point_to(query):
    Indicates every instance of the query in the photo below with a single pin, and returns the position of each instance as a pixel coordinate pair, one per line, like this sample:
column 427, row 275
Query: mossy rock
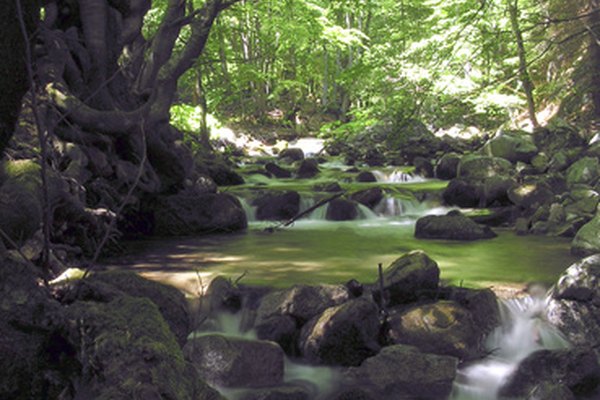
column 127, row 351
column 106, row 286
column 20, row 205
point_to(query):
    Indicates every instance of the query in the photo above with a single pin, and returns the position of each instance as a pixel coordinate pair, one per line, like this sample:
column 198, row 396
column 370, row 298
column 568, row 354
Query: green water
column 333, row 252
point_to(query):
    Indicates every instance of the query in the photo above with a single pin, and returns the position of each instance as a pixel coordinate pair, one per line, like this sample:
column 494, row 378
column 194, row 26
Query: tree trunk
column 513, row 9
column 593, row 25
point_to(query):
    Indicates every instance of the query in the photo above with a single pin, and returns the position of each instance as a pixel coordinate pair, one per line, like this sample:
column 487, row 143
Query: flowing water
column 522, row 332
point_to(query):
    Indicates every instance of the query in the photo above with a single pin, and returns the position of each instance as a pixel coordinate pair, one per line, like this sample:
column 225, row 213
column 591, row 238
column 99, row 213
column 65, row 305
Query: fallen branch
column 305, row 212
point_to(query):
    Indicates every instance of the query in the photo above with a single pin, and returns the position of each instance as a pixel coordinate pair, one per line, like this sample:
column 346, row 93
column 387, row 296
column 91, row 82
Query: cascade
column 522, row 331
column 248, row 209
column 396, row 176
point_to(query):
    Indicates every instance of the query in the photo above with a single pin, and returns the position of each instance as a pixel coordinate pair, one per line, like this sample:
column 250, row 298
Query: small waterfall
column 522, row 332
column 248, row 209
column 395, row 207
column 365, row 212
column 396, row 176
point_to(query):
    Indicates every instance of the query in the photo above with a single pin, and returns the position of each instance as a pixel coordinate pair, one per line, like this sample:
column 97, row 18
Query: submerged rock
column 232, row 362
column 452, row 226
column 402, row 372
column 342, row 335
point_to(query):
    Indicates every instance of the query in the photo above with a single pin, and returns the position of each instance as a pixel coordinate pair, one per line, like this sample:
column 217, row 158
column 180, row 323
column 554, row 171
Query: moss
column 129, row 352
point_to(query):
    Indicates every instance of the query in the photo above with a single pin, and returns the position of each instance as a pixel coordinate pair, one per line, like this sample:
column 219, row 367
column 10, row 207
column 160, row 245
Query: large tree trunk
column 14, row 81
column 110, row 91
column 593, row 25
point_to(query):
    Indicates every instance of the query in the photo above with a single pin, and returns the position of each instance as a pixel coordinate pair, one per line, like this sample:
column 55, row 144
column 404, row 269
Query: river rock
column 443, row 327
column 184, row 214
column 587, row 239
column 341, row 210
column 494, row 191
column 577, row 369
column 233, row 362
column 412, row 276
column 551, row 391
column 309, row 168
column 461, row 193
column 292, row 154
column 482, row 304
column 554, row 138
column 366, row 176
column 586, row 170
column 513, row 146
column 283, row 392
column 574, row 306
column 342, row 335
column 402, row 372
column 369, row 197
column 277, row 206
column 477, row 168
column 530, row 195
column 277, row 171
column 447, row 166
column 452, row 226
column 423, row 167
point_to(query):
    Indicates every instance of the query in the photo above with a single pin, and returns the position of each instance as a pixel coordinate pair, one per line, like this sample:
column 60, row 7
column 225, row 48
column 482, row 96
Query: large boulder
column 574, row 306
column 477, row 168
column 341, row 210
column 577, row 369
column 447, row 166
column 277, row 206
column 342, row 335
column 107, row 286
column 412, row 276
column 186, row 214
column 308, row 168
column 462, row 194
column 452, row 226
column 554, row 138
column 530, row 195
column 587, row 239
column 586, row 170
column 28, row 319
column 482, row 305
column 233, row 362
column 513, row 146
column 402, row 372
column 128, row 352
column 280, row 313
column 443, row 327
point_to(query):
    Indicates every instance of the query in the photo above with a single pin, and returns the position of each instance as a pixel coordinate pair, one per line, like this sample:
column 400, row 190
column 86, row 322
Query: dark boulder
column 277, row 206
column 309, row 168
column 292, row 154
column 233, row 362
column 447, row 166
column 423, row 167
column 577, row 369
column 461, row 193
column 342, row 335
column 452, row 226
column 366, row 176
column 477, row 168
column 530, row 195
column 369, row 197
column 341, row 210
column 402, row 372
column 410, row 277
column 277, row 171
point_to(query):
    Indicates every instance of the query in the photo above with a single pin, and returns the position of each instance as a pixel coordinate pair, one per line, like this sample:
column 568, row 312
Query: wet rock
column 221, row 295
column 577, row 369
column 277, row 171
column 482, row 304
column 184, row 214
column 551, row 391
column 170, row 302
column 587, row 239
column 366, row 176
column 221, row 173
column 530, row 195
column 410, row 277
column 342, row 335
column 443, row 328
column 461, row 193
column 574, row 306
column 423, row 167
column 341, row 210
column 233, row 362
column 402, row 372
column 494, row 191
column 309, row 168
column 513, row 146
column 477, row 168
column 447, row 166
column 452, row 226
column 292, row 154
column 586, row 170
column 277, row 206
column 369, row 197
column 130, row 352
column 284, row 392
